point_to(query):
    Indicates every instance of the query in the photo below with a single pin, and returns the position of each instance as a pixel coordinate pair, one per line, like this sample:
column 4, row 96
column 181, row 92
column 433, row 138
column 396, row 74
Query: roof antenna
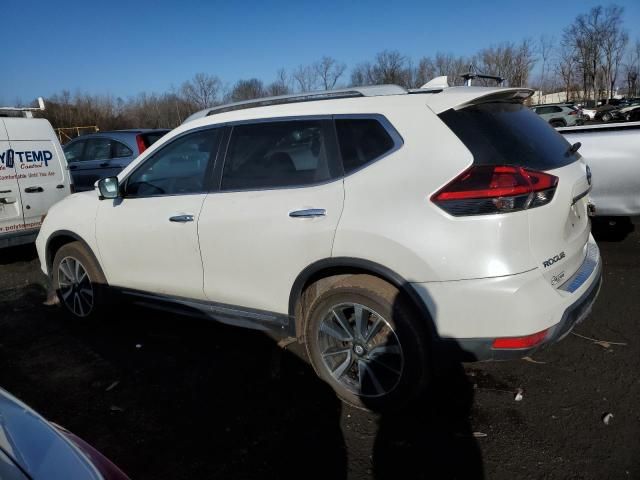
column 473, row 73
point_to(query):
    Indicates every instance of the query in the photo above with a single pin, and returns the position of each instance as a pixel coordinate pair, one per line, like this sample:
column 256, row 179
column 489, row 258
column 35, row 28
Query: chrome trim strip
column 582, row 195
column 308, row 213
column 584, row 272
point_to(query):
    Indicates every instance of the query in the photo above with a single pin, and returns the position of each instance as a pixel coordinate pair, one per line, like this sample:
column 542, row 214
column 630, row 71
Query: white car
column 373, row 224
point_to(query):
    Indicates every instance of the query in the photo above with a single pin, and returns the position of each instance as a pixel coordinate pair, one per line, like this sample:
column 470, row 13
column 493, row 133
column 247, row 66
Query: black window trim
column 213, row 180
column 333, row 157
column 209, row 177
column 398, row 142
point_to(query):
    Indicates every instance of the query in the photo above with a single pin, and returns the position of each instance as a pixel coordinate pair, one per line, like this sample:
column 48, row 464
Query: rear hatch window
column 502, row 133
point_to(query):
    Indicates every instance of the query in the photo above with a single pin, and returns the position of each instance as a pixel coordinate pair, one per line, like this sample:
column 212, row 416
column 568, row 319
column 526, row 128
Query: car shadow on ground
column 22, row 253
column 170, row 397
column 612, row 229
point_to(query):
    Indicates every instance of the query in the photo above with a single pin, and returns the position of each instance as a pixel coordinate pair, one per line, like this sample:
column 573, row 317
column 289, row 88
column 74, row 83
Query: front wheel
column 365, row 340
column 78, row 281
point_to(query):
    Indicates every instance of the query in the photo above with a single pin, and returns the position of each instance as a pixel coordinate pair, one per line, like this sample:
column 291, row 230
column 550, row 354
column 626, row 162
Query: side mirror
column 109, row 188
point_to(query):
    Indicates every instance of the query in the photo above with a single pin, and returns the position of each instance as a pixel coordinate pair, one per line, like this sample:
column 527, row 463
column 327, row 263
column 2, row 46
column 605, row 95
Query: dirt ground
column 169, row 397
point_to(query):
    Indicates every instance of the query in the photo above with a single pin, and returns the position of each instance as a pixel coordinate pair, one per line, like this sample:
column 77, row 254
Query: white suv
column 373, row 224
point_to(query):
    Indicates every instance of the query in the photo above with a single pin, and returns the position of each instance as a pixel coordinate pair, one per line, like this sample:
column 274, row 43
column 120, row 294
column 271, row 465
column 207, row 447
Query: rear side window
column 362, row 140
column 509, row 134
column 121, row 150
column 277, row 154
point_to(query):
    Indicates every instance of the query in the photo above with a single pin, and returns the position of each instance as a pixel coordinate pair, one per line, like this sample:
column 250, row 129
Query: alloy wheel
column 75, row 287
column 360, row 349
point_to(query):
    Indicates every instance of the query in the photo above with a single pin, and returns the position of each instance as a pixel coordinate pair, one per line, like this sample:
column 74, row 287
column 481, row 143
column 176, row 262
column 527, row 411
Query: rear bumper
column 481, row 349
column 469, row 315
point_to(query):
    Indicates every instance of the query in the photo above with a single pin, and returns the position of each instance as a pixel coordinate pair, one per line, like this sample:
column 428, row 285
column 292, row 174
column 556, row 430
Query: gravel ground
column 169, row 397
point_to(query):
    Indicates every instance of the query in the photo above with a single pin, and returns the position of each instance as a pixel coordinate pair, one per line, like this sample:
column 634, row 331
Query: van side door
column 11, row 220
column 40, row 165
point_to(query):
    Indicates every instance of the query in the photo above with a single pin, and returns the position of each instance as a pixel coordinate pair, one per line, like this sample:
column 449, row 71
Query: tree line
column 592, row 58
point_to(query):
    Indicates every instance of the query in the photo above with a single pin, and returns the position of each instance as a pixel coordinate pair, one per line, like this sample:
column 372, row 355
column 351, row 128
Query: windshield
column 503, row 133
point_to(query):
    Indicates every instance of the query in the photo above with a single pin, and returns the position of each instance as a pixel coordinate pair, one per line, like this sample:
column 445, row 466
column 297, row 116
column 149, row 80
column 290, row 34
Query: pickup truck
column 612, row 152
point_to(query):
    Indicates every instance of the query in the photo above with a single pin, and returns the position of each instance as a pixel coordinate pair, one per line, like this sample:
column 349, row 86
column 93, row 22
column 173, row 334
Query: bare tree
column 545, row 49
column 328, row 71
column 203, row 90
column 425, row 71
column 306, row 78
column 632, row 70
column 247, row 90
column 614, row 41
column 565, row 67
column 281, row 85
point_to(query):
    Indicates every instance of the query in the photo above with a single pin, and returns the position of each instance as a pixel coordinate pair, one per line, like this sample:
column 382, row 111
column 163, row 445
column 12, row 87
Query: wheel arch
column 61, row 238
column 338, row 266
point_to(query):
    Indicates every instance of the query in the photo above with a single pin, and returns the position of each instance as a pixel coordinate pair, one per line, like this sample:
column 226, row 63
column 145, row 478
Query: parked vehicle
column 626, row 113
column 611, row 151
column 589, row 113
column 33, row 449
column 560, row 115
column 605, row 113
column 372, row 224
column 100, row 155
column 33, row 175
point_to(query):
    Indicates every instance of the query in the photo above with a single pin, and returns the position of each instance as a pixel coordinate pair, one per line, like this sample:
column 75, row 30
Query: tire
column 78, row 281
column 556, row 123
column 381, row 365
column 606, row 117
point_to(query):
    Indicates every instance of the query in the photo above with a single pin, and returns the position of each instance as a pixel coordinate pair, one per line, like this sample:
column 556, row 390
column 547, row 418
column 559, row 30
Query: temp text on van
column 36, row 157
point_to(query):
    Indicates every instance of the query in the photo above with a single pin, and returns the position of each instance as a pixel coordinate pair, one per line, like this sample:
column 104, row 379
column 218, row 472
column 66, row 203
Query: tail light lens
column 527, row 341
column 489, row 189
column 573, row 112
column 142, row 146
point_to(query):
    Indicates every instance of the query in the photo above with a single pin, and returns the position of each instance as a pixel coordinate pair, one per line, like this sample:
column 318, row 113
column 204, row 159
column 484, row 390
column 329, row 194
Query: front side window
column 277, row 154
column 362, row 140
column 73, row 151
column 179, row 168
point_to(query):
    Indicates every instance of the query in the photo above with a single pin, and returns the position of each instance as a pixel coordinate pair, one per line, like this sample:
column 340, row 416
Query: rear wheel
column 557, row 123
column 607, row 117
column 365, row 340
column 78, row 281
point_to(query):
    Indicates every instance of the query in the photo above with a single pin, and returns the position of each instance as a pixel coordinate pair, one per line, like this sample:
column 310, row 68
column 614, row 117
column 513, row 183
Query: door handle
column 308, row 213
column 181, row 218
column 73, row 167
column 104, row 164
column 34, row 190
column 8, row 200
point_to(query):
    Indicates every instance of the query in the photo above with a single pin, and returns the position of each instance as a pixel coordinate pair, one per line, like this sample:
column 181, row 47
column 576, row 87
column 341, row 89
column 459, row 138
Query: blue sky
column 126, row 47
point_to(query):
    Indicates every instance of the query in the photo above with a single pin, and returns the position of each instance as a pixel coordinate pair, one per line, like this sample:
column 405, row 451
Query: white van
column 33, row 176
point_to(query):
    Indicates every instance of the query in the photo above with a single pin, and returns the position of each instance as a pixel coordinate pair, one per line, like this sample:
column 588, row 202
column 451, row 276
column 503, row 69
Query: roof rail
column 26, row 111
column 368, row 91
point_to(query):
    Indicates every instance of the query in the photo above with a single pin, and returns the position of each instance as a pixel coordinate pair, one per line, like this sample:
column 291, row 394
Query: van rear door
column 10, row 205
column 40, row 165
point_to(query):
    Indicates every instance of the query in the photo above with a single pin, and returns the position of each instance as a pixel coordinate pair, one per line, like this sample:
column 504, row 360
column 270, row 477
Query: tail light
column 573, row 112
column 527, row 341
column 142, row 146
column 488, row 189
